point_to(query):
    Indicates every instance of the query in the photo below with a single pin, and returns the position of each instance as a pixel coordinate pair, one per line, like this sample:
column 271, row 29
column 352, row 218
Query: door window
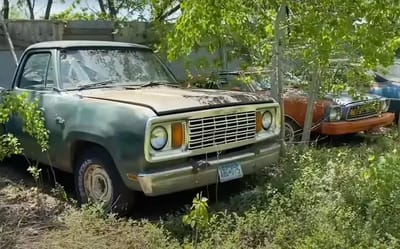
column 38, row 72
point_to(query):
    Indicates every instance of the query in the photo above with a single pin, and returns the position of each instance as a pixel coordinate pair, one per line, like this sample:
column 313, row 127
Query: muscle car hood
column 166, row 100
column 342, row 99
column 345, row 98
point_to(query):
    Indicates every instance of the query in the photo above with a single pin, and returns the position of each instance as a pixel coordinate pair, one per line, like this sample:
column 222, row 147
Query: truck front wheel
column 97, row 181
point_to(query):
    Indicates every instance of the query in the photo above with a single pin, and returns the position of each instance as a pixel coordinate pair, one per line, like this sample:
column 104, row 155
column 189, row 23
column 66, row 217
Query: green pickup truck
column 119, row 122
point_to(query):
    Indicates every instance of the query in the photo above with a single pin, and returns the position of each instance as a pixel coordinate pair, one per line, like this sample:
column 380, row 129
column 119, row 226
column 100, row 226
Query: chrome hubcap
column 98, row 185
column 289, row 133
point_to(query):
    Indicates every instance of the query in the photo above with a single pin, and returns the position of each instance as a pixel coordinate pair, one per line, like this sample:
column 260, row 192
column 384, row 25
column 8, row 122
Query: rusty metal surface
column 346, row 127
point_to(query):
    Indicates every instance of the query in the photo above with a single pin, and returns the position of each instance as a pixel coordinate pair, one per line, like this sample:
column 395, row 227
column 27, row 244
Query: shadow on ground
column 152, row 208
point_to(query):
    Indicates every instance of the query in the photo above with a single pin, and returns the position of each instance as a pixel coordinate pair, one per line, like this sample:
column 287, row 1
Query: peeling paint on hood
column 166, row 100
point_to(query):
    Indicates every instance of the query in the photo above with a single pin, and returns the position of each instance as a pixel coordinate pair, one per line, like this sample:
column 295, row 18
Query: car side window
column 38, row 72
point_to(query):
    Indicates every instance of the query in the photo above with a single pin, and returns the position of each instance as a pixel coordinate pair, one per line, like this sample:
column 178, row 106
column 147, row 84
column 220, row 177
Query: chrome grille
column 362, row 111
column 223, row 129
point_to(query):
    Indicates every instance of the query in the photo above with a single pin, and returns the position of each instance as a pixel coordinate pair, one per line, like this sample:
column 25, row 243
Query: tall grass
column 343, row 197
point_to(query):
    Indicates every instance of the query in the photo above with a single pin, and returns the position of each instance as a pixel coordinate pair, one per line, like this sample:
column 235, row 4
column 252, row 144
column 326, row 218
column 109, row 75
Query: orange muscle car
column 332, row 115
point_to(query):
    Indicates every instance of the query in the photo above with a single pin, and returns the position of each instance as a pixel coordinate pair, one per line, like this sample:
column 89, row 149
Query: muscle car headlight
column 158, row 137
column 385, row 105
column 267, row 120
column 335, row 113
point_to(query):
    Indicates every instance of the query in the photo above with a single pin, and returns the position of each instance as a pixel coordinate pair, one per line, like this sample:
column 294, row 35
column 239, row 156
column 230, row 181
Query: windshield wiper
column 158, row 83
column 95, row 84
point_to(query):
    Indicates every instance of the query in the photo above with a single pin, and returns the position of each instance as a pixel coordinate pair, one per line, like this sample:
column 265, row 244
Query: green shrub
column 33, row 123
column 345, row 197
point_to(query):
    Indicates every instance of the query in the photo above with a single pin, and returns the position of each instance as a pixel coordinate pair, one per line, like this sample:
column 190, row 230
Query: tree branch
column 30, row 7
column 163, row 16
column 48, row 9
column 111, row 8
column 102, row 7
column 6, row 9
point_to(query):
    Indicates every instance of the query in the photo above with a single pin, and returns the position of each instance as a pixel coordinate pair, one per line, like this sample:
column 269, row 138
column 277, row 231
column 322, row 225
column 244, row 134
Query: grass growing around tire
column 342, row 197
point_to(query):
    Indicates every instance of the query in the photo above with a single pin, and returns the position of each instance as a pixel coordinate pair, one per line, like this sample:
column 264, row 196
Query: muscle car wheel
column 292, row 131
column 97, row 181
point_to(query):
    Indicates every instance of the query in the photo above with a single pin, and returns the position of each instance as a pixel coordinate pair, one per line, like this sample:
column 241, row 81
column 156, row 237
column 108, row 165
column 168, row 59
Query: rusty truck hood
column 167, row 100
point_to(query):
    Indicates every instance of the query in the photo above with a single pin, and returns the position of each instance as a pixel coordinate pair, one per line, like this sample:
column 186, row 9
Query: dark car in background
column 387, row 84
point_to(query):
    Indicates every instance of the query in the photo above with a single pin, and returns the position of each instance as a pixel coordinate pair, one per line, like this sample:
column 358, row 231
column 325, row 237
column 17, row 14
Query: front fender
column 118, row 128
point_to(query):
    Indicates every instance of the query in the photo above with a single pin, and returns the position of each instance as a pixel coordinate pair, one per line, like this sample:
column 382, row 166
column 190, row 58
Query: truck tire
column 98, row 181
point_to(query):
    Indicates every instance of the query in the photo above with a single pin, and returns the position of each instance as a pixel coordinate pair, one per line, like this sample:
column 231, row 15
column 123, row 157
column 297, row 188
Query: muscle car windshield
column 80, row 67
column 252, row 82
column 392, row 72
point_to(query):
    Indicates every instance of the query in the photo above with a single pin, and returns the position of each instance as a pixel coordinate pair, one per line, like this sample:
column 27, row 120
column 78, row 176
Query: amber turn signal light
column 178, row 135
column 258, row 121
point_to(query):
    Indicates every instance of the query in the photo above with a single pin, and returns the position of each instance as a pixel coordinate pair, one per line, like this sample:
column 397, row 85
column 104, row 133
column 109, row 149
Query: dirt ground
column 23, row 218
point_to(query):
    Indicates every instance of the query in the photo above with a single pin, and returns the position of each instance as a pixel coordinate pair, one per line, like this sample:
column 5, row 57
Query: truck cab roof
column 83, row 43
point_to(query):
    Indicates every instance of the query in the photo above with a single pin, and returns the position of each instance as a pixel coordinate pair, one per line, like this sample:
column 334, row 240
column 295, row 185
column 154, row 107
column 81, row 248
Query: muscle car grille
column 362, row 111
column 223, row 129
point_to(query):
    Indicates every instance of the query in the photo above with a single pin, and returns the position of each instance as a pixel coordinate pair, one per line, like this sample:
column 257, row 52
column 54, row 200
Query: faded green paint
column 117, row 118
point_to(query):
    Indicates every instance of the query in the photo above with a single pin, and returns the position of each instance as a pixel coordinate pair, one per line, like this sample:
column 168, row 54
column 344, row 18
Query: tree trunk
column 6, row 9
column 102, row 7
column 48, row 9
column 30, row 8
column 10, row 44
column 313, row 92
column 277, row 85
column 112, row 10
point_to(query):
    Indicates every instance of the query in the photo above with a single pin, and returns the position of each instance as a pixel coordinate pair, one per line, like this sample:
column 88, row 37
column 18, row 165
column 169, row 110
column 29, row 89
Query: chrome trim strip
column 189, row 168
column 233, row 158
column 264, row 150
column 166, row 172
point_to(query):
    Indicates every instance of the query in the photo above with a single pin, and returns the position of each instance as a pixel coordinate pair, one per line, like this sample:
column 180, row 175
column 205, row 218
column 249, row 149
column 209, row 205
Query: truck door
column 36, row 77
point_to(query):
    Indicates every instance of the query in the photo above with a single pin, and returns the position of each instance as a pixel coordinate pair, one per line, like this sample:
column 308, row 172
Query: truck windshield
column 121, row 66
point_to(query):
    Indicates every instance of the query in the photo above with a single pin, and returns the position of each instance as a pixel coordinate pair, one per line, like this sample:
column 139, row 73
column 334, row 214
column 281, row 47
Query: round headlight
column 335, row 114
column 267, row 120
column 158, row 138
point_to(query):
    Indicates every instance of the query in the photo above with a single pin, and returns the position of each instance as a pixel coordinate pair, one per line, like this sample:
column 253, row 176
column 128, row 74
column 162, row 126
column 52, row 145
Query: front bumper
column 186, row 177
column 349, row 127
